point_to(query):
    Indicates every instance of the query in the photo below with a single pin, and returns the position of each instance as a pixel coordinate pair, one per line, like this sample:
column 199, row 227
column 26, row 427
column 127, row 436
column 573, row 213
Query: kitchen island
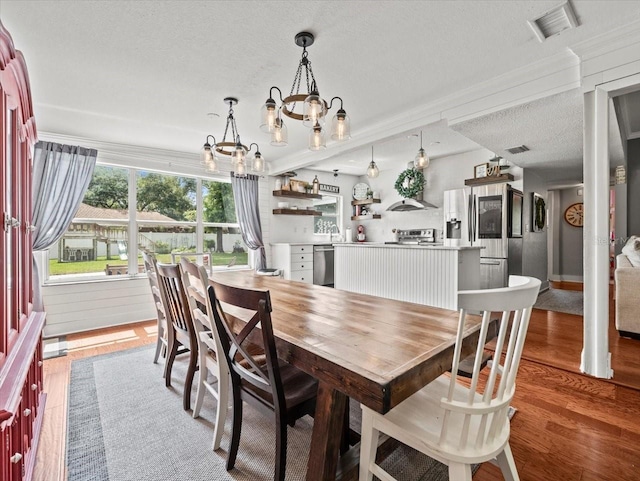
column 424, row 274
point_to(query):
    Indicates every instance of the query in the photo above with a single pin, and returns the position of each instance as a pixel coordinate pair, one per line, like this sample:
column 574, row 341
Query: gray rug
column 559, row 300
column 124, row 425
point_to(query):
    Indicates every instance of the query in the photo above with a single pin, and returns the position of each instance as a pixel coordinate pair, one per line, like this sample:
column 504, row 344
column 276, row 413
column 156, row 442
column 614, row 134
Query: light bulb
column 372, row 170
column 258, row 163
column 269, row 115
column 206, row 155
column 316, row 138
column 279, row 136
column 211, row 165
column 341, row 126
column 241, row 169
column 313, row 109
column 422, row 160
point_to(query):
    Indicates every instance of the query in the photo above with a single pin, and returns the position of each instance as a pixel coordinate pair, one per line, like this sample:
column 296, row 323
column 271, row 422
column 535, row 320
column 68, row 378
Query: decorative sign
column 334, row 189
column 621, row 175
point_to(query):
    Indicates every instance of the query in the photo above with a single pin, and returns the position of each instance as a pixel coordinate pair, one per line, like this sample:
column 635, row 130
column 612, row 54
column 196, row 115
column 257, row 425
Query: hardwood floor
column 50, row 461
column 569, row 427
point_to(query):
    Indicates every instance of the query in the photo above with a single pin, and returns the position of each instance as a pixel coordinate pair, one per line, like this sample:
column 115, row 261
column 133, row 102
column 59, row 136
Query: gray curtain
column 245, row 195
column 61, row 175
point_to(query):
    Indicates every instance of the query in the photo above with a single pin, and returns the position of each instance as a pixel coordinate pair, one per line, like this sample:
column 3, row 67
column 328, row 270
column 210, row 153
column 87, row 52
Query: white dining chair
column 452, row 423
column 211, row 358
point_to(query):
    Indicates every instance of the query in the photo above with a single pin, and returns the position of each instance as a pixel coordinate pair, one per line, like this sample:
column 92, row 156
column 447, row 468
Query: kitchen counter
column 424, row 274
column 406, row 246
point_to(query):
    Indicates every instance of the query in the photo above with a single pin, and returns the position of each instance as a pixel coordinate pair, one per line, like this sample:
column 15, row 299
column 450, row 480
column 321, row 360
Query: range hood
column 410, row 204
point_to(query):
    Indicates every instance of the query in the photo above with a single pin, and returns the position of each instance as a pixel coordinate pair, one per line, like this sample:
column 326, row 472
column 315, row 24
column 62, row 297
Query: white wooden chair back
column 482, row 416
column 195, row 287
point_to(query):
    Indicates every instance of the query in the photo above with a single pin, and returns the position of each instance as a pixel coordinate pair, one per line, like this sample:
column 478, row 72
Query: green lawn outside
column 98, row 266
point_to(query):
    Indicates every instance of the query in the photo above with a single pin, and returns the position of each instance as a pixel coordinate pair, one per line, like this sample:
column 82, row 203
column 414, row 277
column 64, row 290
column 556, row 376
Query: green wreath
column 410, row 183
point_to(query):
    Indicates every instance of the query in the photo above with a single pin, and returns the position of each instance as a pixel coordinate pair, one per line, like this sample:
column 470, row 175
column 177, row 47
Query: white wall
column 534, row 244
column 299, row 228
column 444, row 173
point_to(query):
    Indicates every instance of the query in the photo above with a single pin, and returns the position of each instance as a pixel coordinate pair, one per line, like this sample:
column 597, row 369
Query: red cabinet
column 21, row 396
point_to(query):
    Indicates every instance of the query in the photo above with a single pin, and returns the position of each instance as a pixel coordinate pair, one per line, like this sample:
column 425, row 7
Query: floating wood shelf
column 296, row 212
column 366, row 217
column 365, row 202
column 295, row 195
column 494, row 179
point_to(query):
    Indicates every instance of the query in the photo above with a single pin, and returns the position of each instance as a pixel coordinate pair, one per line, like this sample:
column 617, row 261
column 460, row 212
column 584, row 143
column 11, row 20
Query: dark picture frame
column 538, row 213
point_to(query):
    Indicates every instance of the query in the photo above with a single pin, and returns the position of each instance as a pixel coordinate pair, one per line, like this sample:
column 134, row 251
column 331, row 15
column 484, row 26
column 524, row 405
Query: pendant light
column 314, row 107
column 422, row 159
column 232, row 148
column 372, row 170
column 317, row 140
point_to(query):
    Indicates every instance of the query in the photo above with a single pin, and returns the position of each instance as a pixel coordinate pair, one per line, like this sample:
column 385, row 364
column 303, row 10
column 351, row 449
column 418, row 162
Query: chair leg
column 236, row 428
column 159, row 343
column 191, row 371
column 507, row 464
column 221, row 410
column 281, row 450
column 203, row 372
column 368, row 446
column 169, row 364
column 460, row 472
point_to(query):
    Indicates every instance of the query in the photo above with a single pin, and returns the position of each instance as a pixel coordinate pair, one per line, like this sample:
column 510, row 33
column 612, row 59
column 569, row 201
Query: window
column 96, row 241
column 96, row 244
column 221, row 232
column 331, row 218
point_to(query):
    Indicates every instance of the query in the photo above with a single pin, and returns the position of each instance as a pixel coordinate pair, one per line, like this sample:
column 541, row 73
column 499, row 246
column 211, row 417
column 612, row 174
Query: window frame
column 134, row 224
column 339, row 214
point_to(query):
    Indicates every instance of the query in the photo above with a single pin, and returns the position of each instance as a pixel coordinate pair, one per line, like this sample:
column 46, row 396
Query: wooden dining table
column 376, row 351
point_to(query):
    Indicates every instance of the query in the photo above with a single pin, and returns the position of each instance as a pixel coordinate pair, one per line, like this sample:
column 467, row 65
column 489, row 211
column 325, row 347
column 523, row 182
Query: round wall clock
column 360, row 191
column 574, row 214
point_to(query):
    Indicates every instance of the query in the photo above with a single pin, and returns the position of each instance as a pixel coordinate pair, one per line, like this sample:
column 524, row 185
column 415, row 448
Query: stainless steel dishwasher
column 323, row 265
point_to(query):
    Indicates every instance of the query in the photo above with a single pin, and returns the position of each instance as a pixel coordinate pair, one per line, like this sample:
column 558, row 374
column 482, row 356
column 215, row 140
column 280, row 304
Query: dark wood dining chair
column 257, row 375
column 180, row 332
column 150, row 263
column 211, row 358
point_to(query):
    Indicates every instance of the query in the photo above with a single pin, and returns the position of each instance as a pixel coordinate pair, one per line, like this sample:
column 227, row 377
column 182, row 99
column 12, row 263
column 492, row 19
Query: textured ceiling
column 551, row 128
column 148, row 72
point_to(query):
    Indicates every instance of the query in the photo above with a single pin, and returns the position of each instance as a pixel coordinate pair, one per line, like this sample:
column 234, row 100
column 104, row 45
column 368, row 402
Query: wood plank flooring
column 569, row 427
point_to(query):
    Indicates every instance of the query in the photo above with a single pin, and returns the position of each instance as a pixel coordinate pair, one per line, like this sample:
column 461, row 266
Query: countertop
column 406, row 246
column 380, row 244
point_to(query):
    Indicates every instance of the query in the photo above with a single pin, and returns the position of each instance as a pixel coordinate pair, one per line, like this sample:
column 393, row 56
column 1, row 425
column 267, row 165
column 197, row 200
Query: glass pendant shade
column 211, row 165
column 317, row 139
column 314, row 111
column 257, row 163
column 240, row 169
column 269, row 116
column 341, row 126
column 238, row 153
column 279, row 135
column 372, row 170
column 422, row 160
column 207, row 154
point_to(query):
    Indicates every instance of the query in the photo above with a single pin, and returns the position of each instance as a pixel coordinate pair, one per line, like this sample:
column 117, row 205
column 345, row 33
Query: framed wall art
column 538, row 213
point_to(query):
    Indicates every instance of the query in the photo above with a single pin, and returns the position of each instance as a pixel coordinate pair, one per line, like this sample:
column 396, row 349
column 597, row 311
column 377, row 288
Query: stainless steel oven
column 323, row 265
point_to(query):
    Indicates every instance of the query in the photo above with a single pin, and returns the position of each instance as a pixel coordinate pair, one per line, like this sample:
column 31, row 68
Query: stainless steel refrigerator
column 488, row 216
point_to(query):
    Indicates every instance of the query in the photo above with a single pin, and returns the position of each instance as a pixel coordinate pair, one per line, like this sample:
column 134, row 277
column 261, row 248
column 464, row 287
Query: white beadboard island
column 430, row 275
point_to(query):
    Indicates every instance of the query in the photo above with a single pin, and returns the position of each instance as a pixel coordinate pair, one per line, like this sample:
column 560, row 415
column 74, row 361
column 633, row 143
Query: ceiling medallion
column 314, row 108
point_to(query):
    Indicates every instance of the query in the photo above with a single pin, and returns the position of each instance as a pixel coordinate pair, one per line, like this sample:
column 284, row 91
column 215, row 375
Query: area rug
column 124, row 425
column 560, row 300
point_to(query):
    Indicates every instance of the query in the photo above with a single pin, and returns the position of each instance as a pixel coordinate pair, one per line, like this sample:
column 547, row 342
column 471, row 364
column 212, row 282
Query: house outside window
column 96, row 244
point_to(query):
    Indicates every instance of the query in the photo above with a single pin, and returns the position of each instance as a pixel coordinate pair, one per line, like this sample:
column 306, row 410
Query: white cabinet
column 295, row 260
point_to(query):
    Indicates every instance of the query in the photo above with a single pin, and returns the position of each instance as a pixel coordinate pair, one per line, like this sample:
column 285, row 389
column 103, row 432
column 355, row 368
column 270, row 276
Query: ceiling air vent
column 517, row 150
column 554, row 21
